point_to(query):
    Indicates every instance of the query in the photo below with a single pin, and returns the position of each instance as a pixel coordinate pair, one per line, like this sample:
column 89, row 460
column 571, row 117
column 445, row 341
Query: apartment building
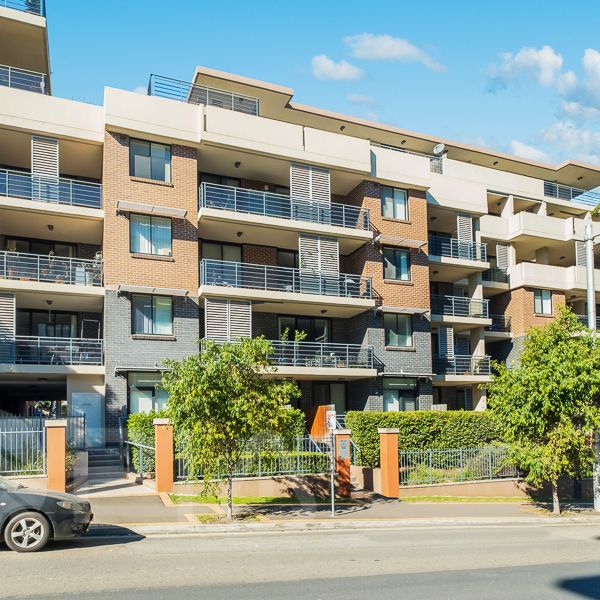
column 386, row 266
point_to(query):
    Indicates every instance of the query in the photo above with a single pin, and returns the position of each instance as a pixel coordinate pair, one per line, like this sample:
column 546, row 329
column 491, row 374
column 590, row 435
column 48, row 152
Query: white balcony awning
column 140, row 368
column 151, row 209
column 402, row 310
column 403, row 374
column 157, row 291
column 403, row 242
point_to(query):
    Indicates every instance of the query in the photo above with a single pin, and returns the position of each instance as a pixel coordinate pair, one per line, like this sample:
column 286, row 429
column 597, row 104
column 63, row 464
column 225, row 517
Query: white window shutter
column 446, row 341
column 329, row 255
column 44, row 157
column 309, row 252
column 320, row 185
column 240, row 319
column 216, row 319
column 502, row 256
column 310, row 183
column 462, row 345
column 7, row 315
column 464, row 227
column 580, row 257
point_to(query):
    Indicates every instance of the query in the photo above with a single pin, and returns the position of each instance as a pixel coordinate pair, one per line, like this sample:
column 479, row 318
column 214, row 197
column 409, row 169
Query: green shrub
column 295, row 425
column 422, row 430
column 140, row 430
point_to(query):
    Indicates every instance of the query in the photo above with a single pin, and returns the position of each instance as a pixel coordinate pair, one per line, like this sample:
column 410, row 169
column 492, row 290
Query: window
column 542, row 302
column 151, row 315
column 288, row 258
column 399, row 394
column 32, row 246
column 149, row 160
column 330, row 393
column 145, row 393
column 219, row 179
column 317, row 330
column 396, row 264
column 219, row 251
column 398, row 330
column 44, row 323
column 394, row 203
column 150, row 235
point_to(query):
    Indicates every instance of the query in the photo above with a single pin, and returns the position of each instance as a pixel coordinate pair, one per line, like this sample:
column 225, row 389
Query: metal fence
column 50, row 351
column 21, row 79
column 464, row 364
column 566, row 192
column 268, row 204
column 20, row 184
column 459, row 306
column 271, row 456
column 453, row 248
column 495, row 275
column 175, row 89
column 23, row 451
column 75, row 427
column 283, row 279
column 53, row 269
column 36, row 7
column 499, row 323
column 315, row 354
column 584, row 319
column 422, row 467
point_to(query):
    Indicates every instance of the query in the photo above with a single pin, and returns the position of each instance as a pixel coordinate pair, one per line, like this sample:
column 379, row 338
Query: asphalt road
column 466, row 563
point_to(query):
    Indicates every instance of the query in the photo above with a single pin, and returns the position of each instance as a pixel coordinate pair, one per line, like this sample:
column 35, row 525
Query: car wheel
column 27, row 532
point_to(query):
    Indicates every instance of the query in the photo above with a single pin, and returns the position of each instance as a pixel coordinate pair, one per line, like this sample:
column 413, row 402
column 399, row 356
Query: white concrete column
column 542, row 256
column 479, row 399
column 508, row 210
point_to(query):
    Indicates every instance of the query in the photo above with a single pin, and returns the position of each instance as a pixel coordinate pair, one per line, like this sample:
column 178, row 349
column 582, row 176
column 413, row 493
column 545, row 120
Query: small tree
column 548, row 404
column 219, row 399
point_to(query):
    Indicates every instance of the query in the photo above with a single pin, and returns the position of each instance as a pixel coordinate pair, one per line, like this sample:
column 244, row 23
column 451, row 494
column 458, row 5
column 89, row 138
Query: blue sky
column 520, row 77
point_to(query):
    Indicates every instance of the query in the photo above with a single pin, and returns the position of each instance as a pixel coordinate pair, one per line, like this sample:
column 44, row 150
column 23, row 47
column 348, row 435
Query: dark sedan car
column 29, row 518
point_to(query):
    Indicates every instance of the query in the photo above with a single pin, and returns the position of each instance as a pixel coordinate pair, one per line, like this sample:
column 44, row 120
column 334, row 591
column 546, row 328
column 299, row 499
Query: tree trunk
column 555, row 500
column 229, row 496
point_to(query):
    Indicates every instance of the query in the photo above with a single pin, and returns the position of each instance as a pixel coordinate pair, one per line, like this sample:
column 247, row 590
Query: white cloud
column 544, row 65
column 529, row 152
column 372, row 116
column 579, row 110
column 573, row 141
column 325, row 68
column 361, row 99
column 369, row 46
column 141, row 89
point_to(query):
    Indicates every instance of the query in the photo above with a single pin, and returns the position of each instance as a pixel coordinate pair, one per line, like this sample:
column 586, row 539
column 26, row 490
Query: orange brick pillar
column 56, row 454
column 388, row 460
column 163, row 455
column 342, row 462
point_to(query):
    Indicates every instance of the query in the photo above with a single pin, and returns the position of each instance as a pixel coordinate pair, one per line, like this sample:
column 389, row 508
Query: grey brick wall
column 121, row 349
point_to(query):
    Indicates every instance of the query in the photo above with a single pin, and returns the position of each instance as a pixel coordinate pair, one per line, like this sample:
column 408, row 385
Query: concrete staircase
column 105, row 463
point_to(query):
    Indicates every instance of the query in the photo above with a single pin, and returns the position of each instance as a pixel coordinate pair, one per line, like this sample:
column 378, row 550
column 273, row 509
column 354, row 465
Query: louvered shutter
column 580, row 258
column 215, row 319
column 464, row 227
column 329, row 255
column 462, row 345
column 309, row 252
column 319, row 254
column 310, row 183
column 469, row 398
column 7, row 328
column 502, row 256
column 240, row 319
column 446, row 341
column 44, row 157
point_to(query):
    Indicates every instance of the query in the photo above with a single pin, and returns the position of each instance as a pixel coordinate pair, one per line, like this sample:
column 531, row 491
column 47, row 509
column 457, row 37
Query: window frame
column 150, row 143
column 385, row 330
column 147, row 388
column 153, row 297
column 538, row 296
column 328, row 320
column 222, row 245
column 152, row 218
column 382, row 201
column 387, row 381
column 396, row 249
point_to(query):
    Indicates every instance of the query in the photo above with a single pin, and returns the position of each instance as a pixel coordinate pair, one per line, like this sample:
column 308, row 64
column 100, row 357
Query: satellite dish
column 439, row 149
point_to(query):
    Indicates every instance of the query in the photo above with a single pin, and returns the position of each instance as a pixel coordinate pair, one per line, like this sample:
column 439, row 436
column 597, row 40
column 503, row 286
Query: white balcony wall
column 458, row 194
column 158, row 117
column 550, row 277
column 401, row 167
column 21, row 109
column 336, row 149
column 530, row 224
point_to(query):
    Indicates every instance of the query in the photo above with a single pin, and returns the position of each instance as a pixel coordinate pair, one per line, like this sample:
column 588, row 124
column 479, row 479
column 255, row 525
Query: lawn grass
column 466, row 499
column 199, row 499
column 212, row 519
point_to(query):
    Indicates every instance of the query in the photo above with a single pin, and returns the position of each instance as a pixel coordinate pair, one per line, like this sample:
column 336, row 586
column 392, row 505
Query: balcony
column 50, row 269
column 175, row 89
column 451, row 259
column 51, row 351
column 570, row 194
column 500, row 323
column 21, row 79
column 287, row 289
column 584, row 319
column 460, row 311
column 35, row 7
column 71, row 192
column 462, row 368
column 494, row 275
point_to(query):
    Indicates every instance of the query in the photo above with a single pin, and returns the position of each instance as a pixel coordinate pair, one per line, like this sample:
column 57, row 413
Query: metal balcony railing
column 495, row 275
column 459, row 306
column 48, row 189
column 316, row 354
column 175, row 89
column 50, row 351
column 453, row 248
column 283, row 279
column 52, row 269
column 21, row 79
column 465, row 364
column 566, row 192
column 267, row 204
column 499, row 323
column 584, row 320
column 36, row 7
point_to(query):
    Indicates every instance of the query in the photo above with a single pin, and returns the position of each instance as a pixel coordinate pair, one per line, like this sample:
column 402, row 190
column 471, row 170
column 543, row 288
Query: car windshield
column 6, row 485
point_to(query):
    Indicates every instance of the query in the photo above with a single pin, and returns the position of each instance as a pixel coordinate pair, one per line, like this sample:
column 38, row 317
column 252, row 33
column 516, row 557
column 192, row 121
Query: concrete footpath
column 153, row 515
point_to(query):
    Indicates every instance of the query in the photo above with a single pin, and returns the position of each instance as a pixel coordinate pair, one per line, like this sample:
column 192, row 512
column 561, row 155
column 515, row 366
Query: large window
column 316, row 330
column 394, row 203
column 149, row 160
column 150, row 235
column 542, row 302
column 398, row 330
column 396, row 264
column 219, row 179
column 151, row 315
column 221, row 251
column 288, row 258
column 399, row 394
column 145, row 393
column 44, row 323
column 32, row 246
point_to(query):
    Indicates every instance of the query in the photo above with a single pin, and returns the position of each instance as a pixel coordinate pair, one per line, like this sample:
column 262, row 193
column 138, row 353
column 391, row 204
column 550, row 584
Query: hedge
column 422, row 430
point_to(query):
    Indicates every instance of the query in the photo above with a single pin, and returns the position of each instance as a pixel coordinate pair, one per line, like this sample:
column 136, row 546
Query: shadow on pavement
column 585, row 587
